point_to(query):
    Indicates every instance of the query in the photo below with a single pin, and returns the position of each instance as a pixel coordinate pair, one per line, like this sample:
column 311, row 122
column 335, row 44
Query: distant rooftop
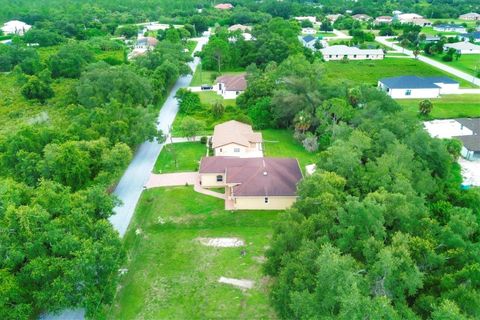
column 414, row 82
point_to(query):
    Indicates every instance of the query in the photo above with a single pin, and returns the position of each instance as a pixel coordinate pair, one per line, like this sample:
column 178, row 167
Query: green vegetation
column 171, row 275
column 469, row 63
column 447, row 106
column 280, row 143
column 369, row 72
column 178, row 157
column 211, row 97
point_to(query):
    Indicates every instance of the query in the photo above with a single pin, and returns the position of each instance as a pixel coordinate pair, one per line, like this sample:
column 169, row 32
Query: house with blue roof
column 472, row 36
column 413, row 87
column 450, row 28
column 309, row 41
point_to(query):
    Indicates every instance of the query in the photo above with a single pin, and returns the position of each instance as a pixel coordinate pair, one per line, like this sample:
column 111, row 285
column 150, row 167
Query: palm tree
column 425, row 107
column 416, row 52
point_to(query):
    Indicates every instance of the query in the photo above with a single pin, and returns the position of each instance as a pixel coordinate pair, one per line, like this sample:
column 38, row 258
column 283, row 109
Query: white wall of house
column 209, row 180
column 470, row 155
column 226, row 94
column 411, row 93
column 264, row 203
column 235, row 150
column 354, row 57
column 448, row 88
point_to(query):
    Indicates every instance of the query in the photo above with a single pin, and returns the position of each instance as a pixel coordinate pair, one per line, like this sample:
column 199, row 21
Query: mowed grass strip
column 448, row 106
column 172, row 276
column 368, row 72
column 469, row 63
column 180, row 157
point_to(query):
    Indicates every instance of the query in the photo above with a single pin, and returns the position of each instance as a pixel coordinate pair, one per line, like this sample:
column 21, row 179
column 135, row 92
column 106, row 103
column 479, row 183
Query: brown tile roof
column 256, row 176
column 233, row 83
column 234, row 132
column 224, row 6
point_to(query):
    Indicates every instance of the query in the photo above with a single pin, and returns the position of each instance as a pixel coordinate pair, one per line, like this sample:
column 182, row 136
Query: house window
column 354, row 55
column 368, row 56
column 236, row 150
column 266, row 199
column 219, row 178
column 408, row 92
column 330, row 56
column 237, row 93
column 221, row 150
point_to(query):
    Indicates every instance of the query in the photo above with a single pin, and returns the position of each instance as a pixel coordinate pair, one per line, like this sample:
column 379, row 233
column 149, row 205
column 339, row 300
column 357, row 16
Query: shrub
column 203, row 140
column 310, row 143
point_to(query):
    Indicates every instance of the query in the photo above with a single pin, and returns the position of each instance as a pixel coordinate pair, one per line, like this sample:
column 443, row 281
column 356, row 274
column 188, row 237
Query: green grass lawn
column 448, row 106
column 172, row 276
column 325, row 34
column 469, row 63
column 430, row 32
column 187, row 155
column 280, row 143
column 211, row 97
column 369, row 72
column 207, row 77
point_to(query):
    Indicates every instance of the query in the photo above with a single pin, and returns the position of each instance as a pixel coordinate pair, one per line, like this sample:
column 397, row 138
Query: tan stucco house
column 236, row 139
column 252, row 183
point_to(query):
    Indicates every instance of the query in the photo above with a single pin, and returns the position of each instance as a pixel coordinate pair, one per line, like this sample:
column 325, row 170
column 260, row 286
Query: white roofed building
column 15, row 27
column 341, row 52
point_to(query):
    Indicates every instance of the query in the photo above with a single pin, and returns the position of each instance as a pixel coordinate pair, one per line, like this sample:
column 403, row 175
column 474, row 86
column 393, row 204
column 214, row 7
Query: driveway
column 172, row 179
column 433, row 63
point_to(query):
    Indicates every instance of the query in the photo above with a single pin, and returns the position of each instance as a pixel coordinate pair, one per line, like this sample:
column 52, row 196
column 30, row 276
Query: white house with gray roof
column 463, row 47
column 413, row 87
column 351, row 53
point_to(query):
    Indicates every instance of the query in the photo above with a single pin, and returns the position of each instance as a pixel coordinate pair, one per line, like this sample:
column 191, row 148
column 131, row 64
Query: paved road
column 436, row 64
column 131, row 185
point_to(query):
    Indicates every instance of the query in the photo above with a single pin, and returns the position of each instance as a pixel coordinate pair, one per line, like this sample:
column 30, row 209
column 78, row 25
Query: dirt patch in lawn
column 239, row 283
column 222, row 242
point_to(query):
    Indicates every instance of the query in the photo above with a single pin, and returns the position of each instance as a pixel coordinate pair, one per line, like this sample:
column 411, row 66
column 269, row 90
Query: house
column 309, row 42
column 15, row 27
column 312, row 19
column 239, row 27
column 309, row 31
column 467, row 130
column 224, row 6
column 333, row 17
column 420, row 22
column 470, row 16
column 231, row 86
column 252, row 183
column 432, row 38
column 236, row 139
column 472, row 36
column 412, row 18
column 413, row 87
column 383, row 19
column 450, row 28
column 361, row 17
column 146, row 43
column 463, row 47
column 340, row 52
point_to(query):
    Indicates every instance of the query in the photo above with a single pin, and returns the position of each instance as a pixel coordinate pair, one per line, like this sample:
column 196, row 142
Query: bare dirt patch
column 222, row 242
column 239, row 283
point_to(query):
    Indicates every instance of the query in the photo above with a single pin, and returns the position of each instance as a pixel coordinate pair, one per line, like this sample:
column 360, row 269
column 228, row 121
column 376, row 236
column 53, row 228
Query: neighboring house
column 241, row 27
column 413, row 87
column 231, row 86
column 312, row 19
column 340, row 52
column 147, row 43
column 15, row 27
column 309, row 42
column 472, row 36
column 432, row 38
column 253, row 183
column 309, row 31
column 236, row 139
column 470, row 16
column 333, row 17
column 467, row 130
column 383, row 19
column 413, row 18
column 361, row 17
column 450, row 28
column 224, row 6
column 463, row 47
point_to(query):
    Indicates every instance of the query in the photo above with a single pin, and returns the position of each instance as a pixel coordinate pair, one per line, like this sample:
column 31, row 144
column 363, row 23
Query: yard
column 180, row 157
column 469, row 63
column 448, row 106
column 208, row 77
column 280, row 143
column 369, row 72
column 429, row 31
column 171, row 275
column 211, row 97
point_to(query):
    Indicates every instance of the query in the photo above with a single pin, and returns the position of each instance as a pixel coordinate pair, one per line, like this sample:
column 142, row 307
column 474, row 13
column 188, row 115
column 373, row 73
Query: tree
column 44, row 38
column 302, row 121
column 310, row 143
column 37, row 89
column 425, row 107
column 218, row 109
column 70, row 61
column 416, row 52
column 191, row 127
column 128, row 31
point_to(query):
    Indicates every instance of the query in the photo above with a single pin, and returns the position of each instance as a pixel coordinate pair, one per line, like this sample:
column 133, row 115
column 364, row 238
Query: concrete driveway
column 172, row 179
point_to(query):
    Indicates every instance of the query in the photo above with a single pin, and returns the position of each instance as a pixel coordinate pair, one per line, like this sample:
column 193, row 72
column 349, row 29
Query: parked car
column 206, row 87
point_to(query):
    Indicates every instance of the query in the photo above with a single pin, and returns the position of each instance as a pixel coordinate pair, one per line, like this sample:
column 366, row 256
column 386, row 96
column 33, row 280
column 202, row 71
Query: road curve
column 436, row 64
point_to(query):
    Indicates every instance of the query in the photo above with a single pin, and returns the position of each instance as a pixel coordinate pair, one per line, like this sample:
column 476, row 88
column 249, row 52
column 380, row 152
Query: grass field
column 369, row 72
column 430, row 32
column 207, row 77
column 448, row 106
column 187, row 156
column 280, row 143
column 210, row 97
column 469, row 63
column 325, row 34
column 172, row 276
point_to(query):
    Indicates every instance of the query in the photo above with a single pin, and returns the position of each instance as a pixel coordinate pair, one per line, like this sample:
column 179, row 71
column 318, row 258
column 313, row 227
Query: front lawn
column 368, row 72
column 280, row 143
column 448, row 106
column 208, row 77
column 430, row 32
column 178, row 157
column 469, row 63
column 172, row 276
column 211, row 97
